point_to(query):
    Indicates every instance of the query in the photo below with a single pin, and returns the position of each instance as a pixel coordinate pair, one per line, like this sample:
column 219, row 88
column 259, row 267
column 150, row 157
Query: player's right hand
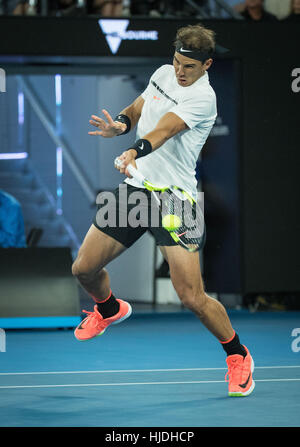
column 126, row 158
column 107, row 129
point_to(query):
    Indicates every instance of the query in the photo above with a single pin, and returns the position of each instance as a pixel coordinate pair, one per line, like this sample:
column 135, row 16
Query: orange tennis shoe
column 239, row 375
column 94, row 324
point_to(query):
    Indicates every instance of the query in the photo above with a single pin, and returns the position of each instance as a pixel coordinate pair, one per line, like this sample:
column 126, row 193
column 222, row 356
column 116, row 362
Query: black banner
column 94, row 37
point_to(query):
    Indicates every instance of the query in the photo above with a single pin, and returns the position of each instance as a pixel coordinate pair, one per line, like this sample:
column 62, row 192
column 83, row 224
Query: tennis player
column 174, row 116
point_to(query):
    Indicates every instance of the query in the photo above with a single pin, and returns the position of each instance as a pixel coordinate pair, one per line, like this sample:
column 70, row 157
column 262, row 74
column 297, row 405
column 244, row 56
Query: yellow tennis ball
column 171, row 222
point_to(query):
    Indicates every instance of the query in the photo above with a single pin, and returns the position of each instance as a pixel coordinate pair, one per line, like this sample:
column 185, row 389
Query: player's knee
column 192, row 299
column 82, row 271
column 75, row 267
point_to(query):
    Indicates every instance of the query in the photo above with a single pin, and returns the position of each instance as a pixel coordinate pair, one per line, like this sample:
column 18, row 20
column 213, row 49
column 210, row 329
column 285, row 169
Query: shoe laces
column 235, row 369
column 94, row 317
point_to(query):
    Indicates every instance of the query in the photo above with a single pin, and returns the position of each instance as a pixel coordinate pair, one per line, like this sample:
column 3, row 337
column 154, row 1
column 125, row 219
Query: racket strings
column 192, row 221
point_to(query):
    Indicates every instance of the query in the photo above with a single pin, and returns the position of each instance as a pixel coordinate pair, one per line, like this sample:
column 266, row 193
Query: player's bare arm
column 134, row 111
column 109, row 127
column 167, row 127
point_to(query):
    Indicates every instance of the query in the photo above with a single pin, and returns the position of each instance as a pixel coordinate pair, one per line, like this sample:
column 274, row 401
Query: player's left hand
column 127, row 157
column 109, row 128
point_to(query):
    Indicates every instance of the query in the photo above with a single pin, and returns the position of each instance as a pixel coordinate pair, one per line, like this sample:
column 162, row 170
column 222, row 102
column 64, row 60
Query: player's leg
column 187, row 280
column 186, row 277
column 105, row 241
column 97, row 250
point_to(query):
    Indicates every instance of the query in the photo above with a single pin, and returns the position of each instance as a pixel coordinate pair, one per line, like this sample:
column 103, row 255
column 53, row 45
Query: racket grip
column 132, row 171
column 118, row 162
column 136, row 174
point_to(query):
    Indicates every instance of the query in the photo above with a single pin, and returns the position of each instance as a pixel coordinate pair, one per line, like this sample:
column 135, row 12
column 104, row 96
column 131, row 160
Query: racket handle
column 132, row 171
column 136, row 174
column 118, row 162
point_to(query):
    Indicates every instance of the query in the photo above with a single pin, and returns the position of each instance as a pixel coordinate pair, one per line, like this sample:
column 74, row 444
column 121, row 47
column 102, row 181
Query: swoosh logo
column 243, row 385
column 142, row 146
column 81, row 324
column 185, row 51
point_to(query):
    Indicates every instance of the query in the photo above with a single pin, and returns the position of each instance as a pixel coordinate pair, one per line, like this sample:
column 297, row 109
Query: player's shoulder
column 199, row 91
column 163, row 70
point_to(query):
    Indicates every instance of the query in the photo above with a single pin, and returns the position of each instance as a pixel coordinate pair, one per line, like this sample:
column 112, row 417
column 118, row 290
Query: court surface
column 153, row 370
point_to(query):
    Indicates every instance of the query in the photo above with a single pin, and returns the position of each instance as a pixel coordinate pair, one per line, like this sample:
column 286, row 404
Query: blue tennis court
column 154, row 370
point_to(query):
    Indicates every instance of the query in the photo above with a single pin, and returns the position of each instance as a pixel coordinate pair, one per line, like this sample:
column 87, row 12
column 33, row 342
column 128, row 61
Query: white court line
column 132, row 371
column 135, row 383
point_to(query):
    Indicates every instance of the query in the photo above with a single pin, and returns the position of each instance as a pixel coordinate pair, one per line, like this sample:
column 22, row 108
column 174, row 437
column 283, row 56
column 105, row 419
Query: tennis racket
column 180, row 214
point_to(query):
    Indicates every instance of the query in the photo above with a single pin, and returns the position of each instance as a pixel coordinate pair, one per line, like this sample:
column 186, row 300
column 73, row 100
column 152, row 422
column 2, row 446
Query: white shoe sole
column 125, row 316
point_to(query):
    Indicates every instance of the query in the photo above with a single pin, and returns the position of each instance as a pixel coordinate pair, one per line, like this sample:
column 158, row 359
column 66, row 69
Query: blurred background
column 62, row 61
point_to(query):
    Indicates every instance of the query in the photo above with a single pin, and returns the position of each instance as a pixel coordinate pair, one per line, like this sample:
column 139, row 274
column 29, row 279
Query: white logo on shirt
column 141, row 147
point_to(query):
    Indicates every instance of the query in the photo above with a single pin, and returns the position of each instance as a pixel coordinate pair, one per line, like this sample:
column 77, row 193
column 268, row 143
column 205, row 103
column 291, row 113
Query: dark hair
column 196, row 37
